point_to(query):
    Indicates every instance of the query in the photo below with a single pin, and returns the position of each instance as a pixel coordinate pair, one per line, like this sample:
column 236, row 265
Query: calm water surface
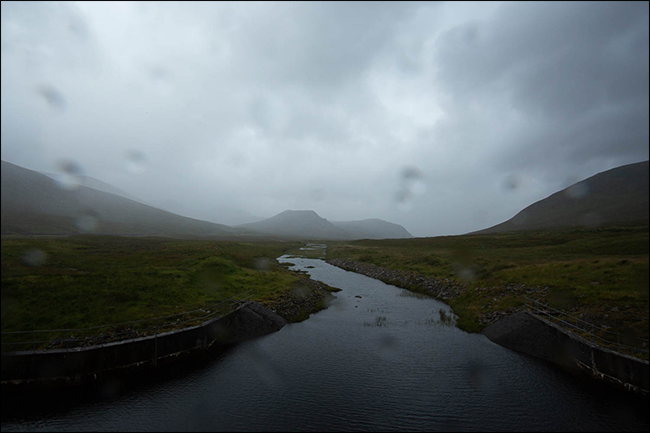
column 378, row 359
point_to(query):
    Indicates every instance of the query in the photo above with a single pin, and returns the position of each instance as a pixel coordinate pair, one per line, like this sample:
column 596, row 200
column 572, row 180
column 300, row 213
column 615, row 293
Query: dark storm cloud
column 579, row 71
column 263, row 107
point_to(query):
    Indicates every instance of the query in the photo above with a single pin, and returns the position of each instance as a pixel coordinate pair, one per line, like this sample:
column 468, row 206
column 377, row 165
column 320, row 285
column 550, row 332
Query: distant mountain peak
column 307, row 224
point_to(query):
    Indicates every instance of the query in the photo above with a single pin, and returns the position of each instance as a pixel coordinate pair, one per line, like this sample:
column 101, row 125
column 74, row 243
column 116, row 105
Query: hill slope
column 373, row 229
column 32, row 203
column 613, row 197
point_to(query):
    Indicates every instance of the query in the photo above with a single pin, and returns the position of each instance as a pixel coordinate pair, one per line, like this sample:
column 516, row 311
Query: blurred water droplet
column 86, row 223
column 52, row 97
column 403, row 200
column 477, row 374
column 78, row 28
column 110, row 389
column 387, row 344
column 579, row 190
column 267, row 371
column 317, row 194
column 302, row 291
column 593, row 219
column 520, row 218
column 411, row 185
column 69, row 175
column 511, row 183
column 262, row 264
column 34, row 257
column 136, row 162
column 466, row 274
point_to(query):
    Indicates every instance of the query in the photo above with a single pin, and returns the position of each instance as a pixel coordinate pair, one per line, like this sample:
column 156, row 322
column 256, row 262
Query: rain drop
column 511, row 183
column 262, row 264
column 52, row 97
column 86, row 223
column 388, row 344
column 69, row 175
column 34, row 257
column 411, row 185
column 317, row 194
column 136, row 162
column 579, row 190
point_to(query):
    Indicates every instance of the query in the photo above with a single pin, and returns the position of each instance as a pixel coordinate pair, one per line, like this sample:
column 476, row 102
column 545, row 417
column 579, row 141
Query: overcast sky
column 443, row 117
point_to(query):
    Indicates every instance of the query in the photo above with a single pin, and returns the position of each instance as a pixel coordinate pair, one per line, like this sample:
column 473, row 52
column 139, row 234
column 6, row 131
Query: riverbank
column 443, row 289
column 83, row 365
column 309, row 297
column 524, row 332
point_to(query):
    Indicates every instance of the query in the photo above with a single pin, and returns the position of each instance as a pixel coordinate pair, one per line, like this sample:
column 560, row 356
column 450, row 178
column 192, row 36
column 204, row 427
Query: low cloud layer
column 443, row 117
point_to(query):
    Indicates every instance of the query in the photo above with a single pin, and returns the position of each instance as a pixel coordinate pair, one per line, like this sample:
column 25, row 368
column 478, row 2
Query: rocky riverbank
column 443, row 289
column 308, row 297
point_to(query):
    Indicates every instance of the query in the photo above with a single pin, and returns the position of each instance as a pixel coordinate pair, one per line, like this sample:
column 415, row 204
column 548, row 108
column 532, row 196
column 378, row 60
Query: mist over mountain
column 33, row 203
column 614, row 197
column 373, row 228
column 309, row 225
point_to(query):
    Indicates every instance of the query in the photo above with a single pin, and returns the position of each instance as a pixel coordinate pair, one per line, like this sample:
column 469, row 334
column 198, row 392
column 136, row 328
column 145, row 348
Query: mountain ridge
column 32, row 203
column 308, row 224
column 615, row 196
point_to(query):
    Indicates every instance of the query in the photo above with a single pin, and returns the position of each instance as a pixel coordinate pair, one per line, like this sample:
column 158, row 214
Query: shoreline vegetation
column 599, row 275
column 79, row 282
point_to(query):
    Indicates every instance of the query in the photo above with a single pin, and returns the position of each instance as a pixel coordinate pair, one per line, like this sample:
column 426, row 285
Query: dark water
column 378, row 359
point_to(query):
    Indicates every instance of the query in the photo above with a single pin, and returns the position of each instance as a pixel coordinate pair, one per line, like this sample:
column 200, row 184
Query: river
column 378, row 359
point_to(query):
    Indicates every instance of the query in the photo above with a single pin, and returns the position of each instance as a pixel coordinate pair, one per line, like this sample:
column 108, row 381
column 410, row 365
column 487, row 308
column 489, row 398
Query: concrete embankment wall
column 527, row 333
column 249, row 321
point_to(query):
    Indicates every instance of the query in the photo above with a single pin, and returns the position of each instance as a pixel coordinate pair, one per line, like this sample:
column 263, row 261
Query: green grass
column 600, row 275
column 84, row 281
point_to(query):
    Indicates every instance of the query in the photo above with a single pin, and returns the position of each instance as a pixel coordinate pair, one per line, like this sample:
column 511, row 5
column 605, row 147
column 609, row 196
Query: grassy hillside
column 83, row 281
column 33, row 204
column 600, row 275
column 612, row 198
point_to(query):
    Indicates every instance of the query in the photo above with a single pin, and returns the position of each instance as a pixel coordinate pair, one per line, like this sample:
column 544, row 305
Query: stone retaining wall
column 528, row 333
column 83, row 364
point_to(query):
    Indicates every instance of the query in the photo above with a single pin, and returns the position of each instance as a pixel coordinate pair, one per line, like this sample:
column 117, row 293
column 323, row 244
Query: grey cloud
column 269, row 106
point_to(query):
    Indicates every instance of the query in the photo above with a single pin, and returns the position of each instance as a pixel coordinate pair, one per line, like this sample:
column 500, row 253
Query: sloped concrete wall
column 527, row 333
column 250, row 320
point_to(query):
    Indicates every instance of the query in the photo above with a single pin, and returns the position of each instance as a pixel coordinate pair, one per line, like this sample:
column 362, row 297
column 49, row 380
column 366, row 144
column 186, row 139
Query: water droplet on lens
column 403, row 200
column 262, row 264
column 34, row 257
column 136, row 162
column 302, row 291
column 387, row 344
column 477, row 374
column 593, row 219
column 511, row 183
column 69, row 175
column 318, row 194
column 411, row 185
column 579, row 190
column 411, row 172
column 466, row 274
column 53, row 98
column 86, row 223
